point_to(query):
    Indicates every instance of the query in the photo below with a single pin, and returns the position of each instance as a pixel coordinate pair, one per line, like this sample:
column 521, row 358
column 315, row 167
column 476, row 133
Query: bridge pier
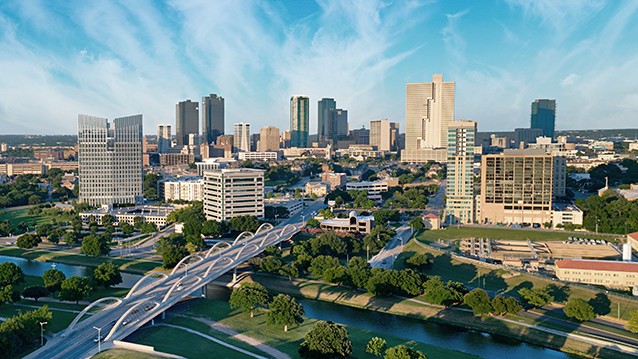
column 235, row 274
column 203, row 291
column 163, row 315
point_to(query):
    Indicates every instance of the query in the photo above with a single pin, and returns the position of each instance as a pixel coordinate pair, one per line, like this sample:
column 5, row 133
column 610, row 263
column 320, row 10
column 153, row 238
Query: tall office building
column 269, row 139
column 429, row 110
column 338, row 120
column 299, row 120
column 163, row 138
column 519, row 186
column 186, row 121
column 360, row 136
column 242, row 137
column 232, row 193
column 544, row 116
column 110, row 160
column 212, row 117
column 324, row 107
column 383, row 135
column 459, row 206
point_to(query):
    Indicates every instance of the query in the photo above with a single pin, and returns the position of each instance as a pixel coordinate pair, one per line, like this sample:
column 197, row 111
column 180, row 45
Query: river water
column 36, row 268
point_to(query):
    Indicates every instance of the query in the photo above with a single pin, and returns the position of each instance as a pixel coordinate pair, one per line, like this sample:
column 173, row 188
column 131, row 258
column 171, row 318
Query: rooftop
column 612, row 266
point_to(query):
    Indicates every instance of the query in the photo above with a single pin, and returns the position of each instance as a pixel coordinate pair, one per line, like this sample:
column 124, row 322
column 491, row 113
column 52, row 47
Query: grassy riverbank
column 124, row 354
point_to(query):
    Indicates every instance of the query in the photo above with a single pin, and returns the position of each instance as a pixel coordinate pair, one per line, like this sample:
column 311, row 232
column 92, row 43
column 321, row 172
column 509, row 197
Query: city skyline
column 360, row 53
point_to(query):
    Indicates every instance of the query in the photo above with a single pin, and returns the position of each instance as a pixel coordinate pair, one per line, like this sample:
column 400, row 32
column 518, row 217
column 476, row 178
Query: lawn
column 289, row 342
column 505, row 282
column 180, row 342
column 16, row 216
column 502, row 233
column 60, row 319
column 124, row 354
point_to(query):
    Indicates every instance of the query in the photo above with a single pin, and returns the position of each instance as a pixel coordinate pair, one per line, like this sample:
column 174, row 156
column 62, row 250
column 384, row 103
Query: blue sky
column 110, row 58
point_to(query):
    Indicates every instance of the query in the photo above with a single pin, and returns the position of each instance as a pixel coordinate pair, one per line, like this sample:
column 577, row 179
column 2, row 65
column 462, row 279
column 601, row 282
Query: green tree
column 150, row 185
column 107, row 274
column 126, row 228
column 321, row 263
column 107, row 219
column 270, row 264
column 498, row 305
column 358, row 272
column 43, row 230
column 326, row 340
column 420, row 261
column 94, row 245
column 21, row 331
column 248, row 297
column 28, row 241
column 35, row 292
column 172, row 254
column 436, row 292
column 71, row 238
column 376, row 346
column 10, row 274
column 512, row 305
column 313, row 223
column 7, row 295
column 479, row 301
column 579, row 309
column 244, row 223
column 536, row 297
column 632, row 323
column 383, row 216
column 289, row 270
column 285, row 310
column 53, row 279
column 403, row 352
column 417, row 223
column 75, row 289
column 212, row 228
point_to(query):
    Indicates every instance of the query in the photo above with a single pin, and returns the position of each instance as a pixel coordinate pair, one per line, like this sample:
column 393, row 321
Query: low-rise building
column 431, row 221
column 173, row 159
column 293, row 205
column 361, row 152
column 611, row 274
column 335, row 180
column 563, row 214
column 212, row 164
column 354, row 223
column 183, row 189
column 374, row 188
column 319, row 189
column 153, row 214
column 259, row 156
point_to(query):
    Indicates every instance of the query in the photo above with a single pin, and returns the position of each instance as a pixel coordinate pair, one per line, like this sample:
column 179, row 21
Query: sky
column 109, row 59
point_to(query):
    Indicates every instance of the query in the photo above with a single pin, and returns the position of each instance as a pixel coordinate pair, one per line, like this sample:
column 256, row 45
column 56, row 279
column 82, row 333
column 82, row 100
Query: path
column 220, row 342
column 244, row 338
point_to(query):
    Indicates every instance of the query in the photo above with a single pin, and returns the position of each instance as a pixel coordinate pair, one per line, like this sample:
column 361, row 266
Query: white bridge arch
column 241, row 250
column 186, row 259
column 217, row 246
column 142, row 307
column 145, row 279
column 266, row 237
column 78, row 317
column 243, row 235
column 265, row 226
column 210, row 267
column 178, row 283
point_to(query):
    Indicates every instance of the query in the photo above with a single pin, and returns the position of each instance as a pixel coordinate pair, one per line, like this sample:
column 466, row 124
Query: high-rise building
column 360, row 136
column 429, row 109
column 324, row 107
column 285, row 139
column 544, row 116
column 338, row 120
column 212, row 117
column 186, row 121
column 383, row 135
column 299, row 120
column 459, row 206
column 242, row 137
column 110, row 160
column 519, row 186
column 269, row 139
column 163, row 138
column 525, row 136
column 232, row 193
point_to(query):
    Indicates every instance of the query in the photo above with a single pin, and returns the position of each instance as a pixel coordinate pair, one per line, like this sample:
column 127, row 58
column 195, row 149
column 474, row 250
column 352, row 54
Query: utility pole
column 99, row 339
column 42, row 324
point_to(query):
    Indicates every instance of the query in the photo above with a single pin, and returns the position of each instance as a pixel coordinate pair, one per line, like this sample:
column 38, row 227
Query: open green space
column 59, row 322
column 19, row 215
column 290, row 341
column 124, row 354
column 180, row 342
column 505, row 282
column 135, row 266
column 98, row 292
column 502, row 233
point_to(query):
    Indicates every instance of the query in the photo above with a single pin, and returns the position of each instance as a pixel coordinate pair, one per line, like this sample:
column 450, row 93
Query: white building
column 258, row 156
column 242, row 137
column 152, row 214
column 232, row 193
column 184, row 189
column 319, row 189
column 374, row 188
column 212, row 164
column 293, row 205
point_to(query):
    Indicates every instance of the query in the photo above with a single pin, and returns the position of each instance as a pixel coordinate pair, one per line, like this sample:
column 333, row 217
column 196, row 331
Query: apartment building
column 183, row 189
column 232, row 193
column 335, row 180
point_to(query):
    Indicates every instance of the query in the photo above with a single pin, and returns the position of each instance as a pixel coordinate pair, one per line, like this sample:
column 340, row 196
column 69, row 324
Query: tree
column 107, row 219
column 172, row 254
column 53, row 279
column 403, row 352
column 71, row 238
column 376, row 346
column 313, row 223
column 6, row 294
column 536, row 297
column 512, row 305
column 326, row 340
column 107, row 274
column 75, row 289
column 321, row 263
column 579, row 309
column 212, row 228
column 270, row 264
column 436, row 292
column 28, row 241
column 43, row 230
column 358, row 272
column 94, row 245
column 10, row 274
column 417, row 223
column 126, row 228
column 289, row 270
column 244, row 223
column 479, row 301
column 420, row 261
column 35, row 292
column 21, row 330
column 285, row 310
column 248, row 297
column 383, row 216
column 632, row 323
column 498, row 305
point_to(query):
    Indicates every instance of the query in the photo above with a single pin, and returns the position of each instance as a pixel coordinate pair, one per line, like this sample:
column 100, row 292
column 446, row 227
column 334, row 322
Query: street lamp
column 42, row 324
column 99, row 339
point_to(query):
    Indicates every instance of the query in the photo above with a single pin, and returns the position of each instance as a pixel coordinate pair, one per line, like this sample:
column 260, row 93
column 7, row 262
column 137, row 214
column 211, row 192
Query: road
column 435, row 203
column 156, row 296
column 386, row 257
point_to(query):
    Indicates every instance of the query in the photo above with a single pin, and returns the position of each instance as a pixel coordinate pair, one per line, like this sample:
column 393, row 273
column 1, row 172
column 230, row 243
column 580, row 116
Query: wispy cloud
column 453, row 39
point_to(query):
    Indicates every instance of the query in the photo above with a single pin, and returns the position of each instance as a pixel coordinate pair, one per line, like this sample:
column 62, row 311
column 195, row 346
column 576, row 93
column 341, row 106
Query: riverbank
column 398, row 306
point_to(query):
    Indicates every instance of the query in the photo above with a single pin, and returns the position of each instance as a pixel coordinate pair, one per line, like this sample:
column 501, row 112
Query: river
column 36, row 268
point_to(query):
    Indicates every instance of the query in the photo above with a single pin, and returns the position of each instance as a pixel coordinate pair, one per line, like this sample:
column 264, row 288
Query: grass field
column 501, row 233
column 123, row 354
column 126, row 265
column 60, row 320
column 17, row 216
column 289, row 342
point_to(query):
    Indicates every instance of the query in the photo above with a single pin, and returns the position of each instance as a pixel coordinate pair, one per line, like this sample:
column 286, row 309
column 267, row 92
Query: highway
column 154, row 295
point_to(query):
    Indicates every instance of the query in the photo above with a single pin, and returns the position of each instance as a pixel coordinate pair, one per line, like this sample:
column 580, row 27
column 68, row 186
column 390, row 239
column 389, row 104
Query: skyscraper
column 269, row 139
column 212, row 117
column 459, row 207
column 338, row 120
column 163, row 138
column 299, row 121
column 242, row 137
column 110, row 160
column 323, row 117
column 544, row 116
column 429, row 109
column 383, row 135
column 186, row 121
